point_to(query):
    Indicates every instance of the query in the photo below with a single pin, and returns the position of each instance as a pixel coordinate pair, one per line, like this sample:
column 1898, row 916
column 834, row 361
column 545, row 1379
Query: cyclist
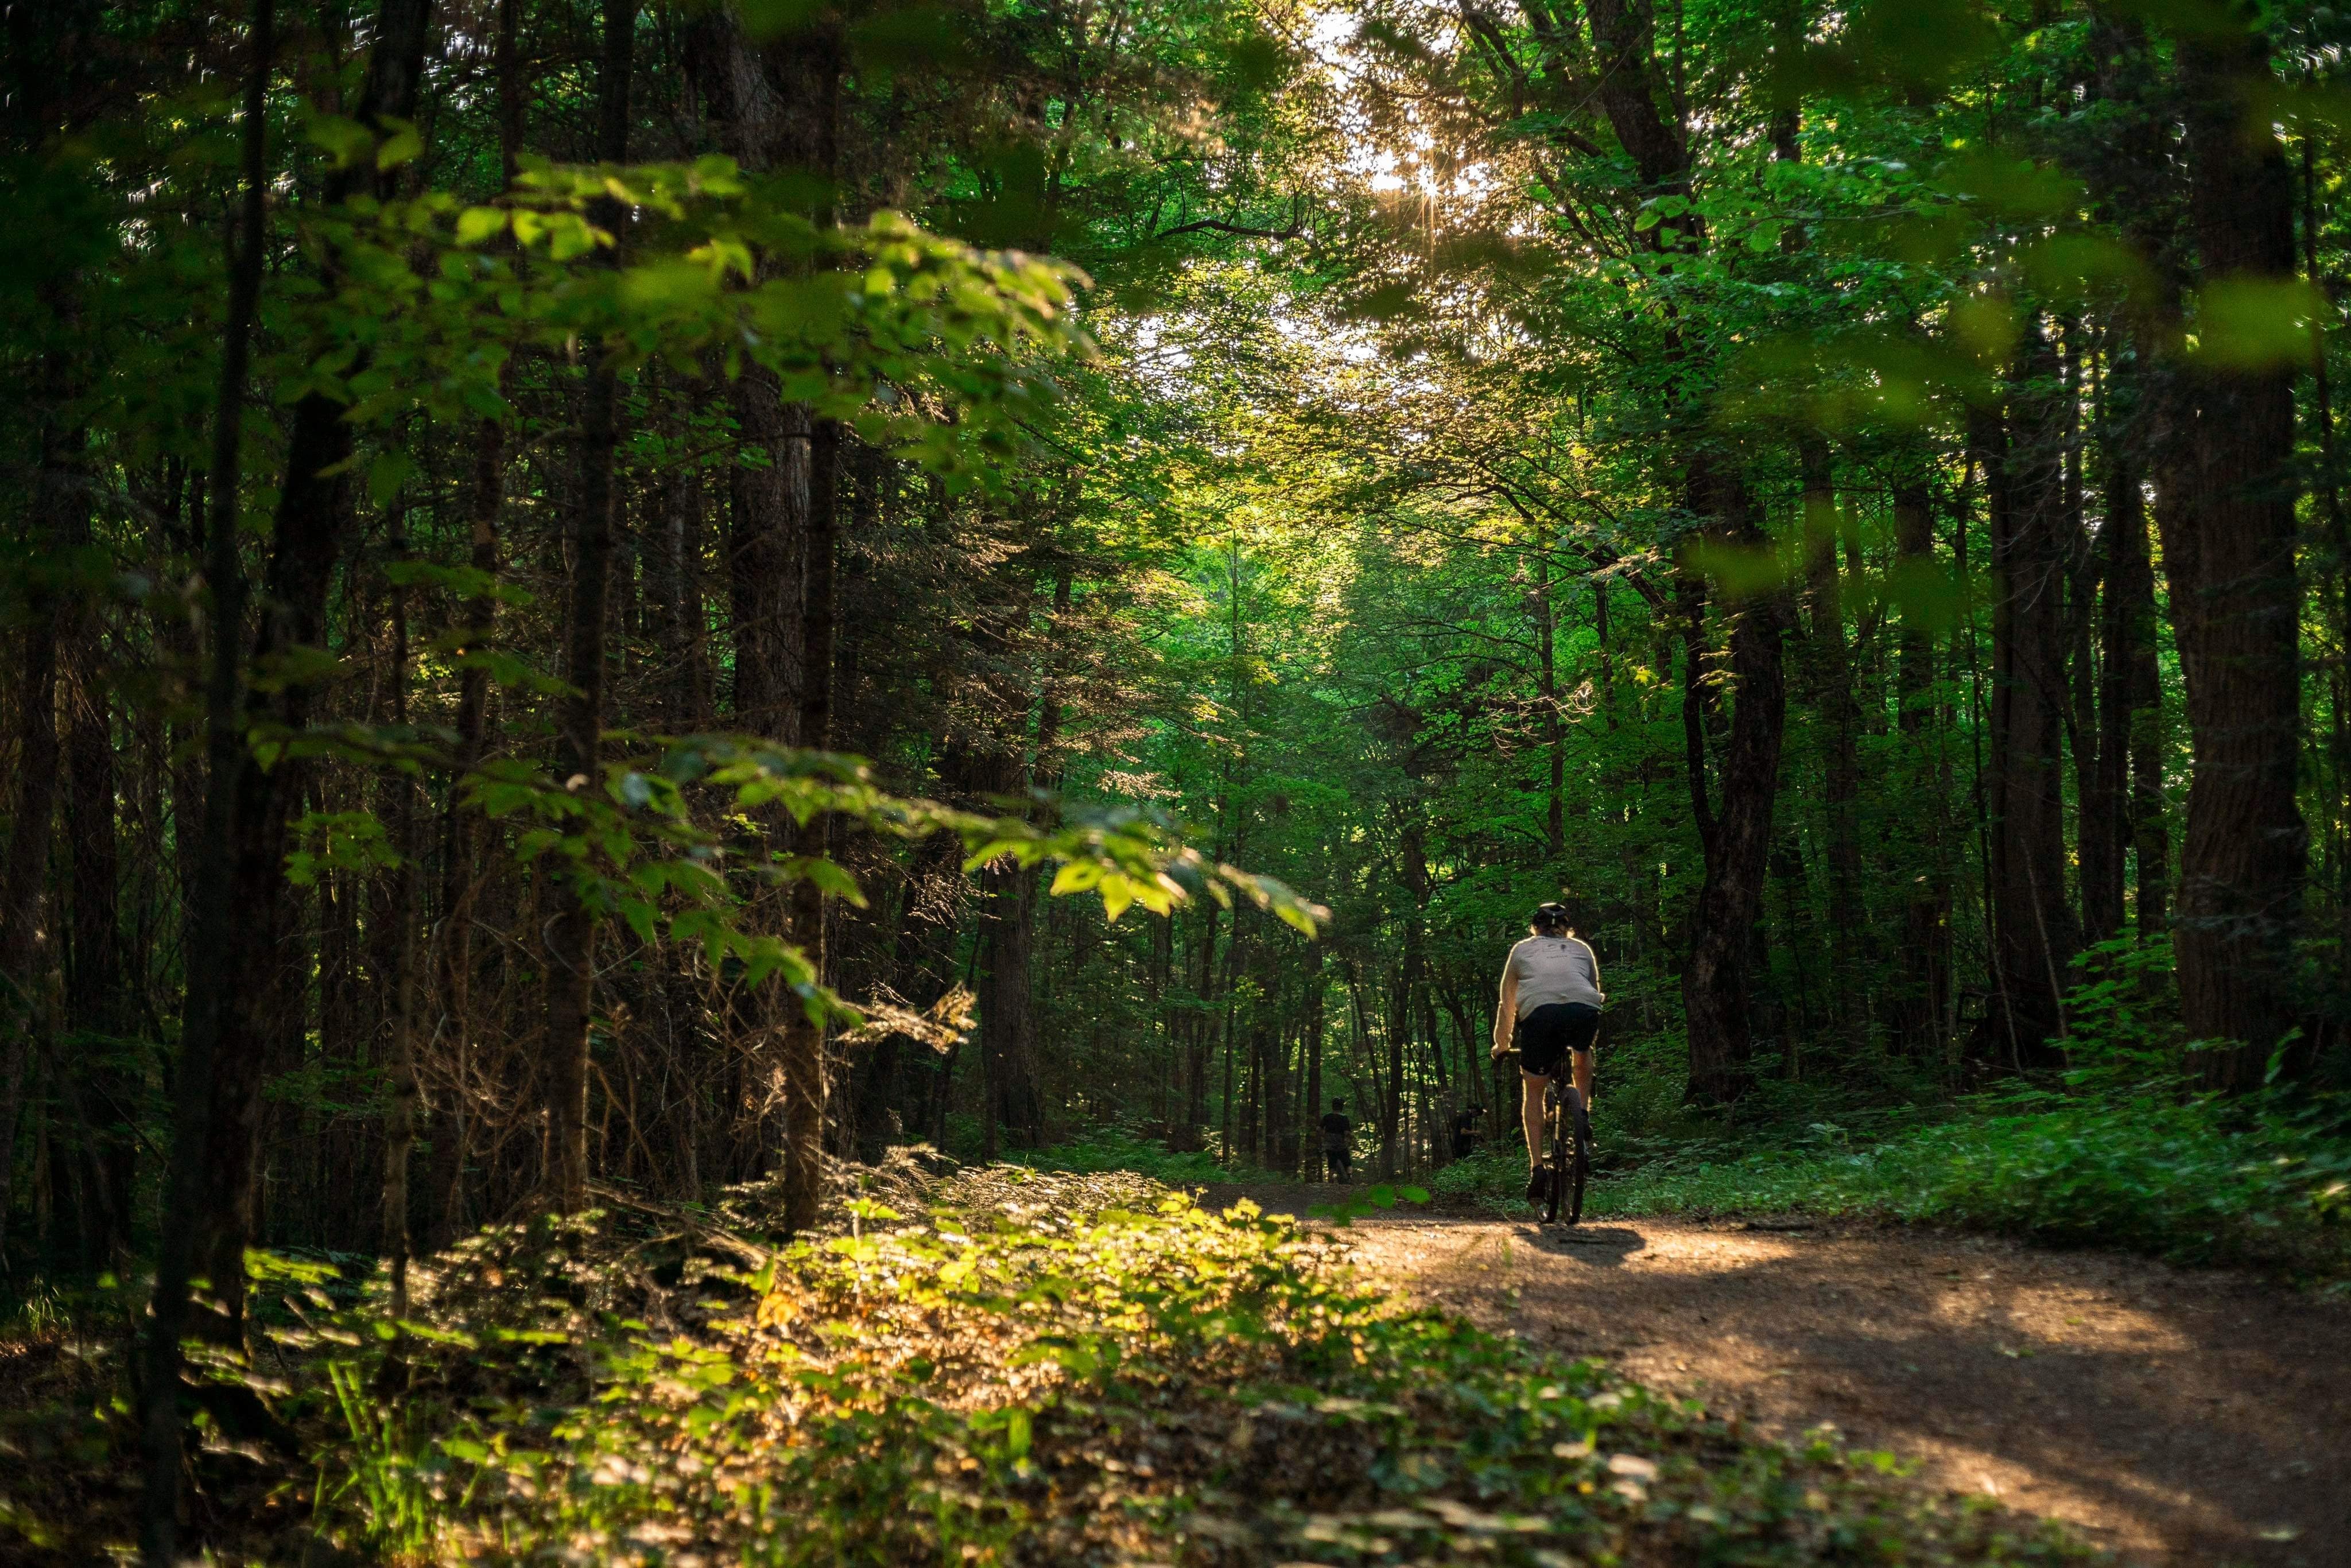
column 1549, row 1009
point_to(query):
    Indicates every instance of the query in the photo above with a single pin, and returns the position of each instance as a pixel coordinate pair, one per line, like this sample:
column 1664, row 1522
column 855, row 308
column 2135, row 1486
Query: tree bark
column 571, row 936
column 1923, row 987
column 2235, row 600
column 400, row 1007
column 312, row 521
column 804, row 1071
column 211, row 939
column 1840, row 719
column 462, row 831
column 1547, row 687
column 774, row 108
column 2130, row 714
column 1310, row 1123
column 104, row 1091
column 1630, row 88
column 2120, row 623
column 1736, row 836
column 461, row 835
column 61, row 500
column 2034, row 935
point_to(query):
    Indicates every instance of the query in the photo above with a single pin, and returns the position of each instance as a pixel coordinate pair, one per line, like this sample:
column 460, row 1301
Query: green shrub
column 2190, row 1179
column 1494, row 1177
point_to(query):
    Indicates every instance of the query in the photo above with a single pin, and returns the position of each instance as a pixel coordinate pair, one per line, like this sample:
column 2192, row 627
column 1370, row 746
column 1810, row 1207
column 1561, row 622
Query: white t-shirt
column 1546, row 969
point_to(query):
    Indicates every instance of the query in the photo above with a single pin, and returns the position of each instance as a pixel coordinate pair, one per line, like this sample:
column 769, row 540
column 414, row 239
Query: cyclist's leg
column 1539, row 1042
column 1583, row 1031
column 1531, row 1114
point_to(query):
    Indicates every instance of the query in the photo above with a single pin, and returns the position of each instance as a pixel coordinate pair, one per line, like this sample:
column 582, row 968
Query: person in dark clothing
column 1338, row 1142
column 1465, row 1132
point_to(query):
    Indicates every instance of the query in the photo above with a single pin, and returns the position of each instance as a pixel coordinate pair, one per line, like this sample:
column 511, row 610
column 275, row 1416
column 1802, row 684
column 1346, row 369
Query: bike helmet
column 1549, row 917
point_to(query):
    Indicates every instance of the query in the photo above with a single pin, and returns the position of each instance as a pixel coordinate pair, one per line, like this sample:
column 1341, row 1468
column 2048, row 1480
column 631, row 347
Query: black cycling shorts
column 1551, row 1031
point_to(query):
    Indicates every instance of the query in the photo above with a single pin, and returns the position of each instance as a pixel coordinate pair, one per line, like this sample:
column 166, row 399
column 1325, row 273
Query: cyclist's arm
column 1506, row 1011
column 1593, row 952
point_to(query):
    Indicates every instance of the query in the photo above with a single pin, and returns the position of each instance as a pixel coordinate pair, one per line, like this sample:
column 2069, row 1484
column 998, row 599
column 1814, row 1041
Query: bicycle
column 1567, row 1152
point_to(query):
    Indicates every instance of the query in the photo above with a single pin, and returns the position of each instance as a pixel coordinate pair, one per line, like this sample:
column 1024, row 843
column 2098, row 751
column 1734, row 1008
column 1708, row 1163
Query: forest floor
column 2174, row 1416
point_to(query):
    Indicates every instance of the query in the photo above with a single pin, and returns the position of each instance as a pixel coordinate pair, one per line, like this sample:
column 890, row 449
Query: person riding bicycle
column 1550, row 1008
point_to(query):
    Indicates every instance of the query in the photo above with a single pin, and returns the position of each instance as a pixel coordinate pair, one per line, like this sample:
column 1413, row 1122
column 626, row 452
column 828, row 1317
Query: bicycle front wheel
column 1556, row 1157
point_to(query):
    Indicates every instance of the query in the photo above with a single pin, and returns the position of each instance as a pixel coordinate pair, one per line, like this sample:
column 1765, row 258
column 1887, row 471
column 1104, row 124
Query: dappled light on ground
column 2175, row 1417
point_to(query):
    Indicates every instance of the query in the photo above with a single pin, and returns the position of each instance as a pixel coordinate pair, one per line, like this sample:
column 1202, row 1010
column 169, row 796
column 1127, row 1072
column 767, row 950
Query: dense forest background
column 1850, row 502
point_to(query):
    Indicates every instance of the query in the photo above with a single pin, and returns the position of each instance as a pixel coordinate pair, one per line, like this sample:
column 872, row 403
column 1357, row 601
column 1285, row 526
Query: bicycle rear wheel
column 1579, row 1158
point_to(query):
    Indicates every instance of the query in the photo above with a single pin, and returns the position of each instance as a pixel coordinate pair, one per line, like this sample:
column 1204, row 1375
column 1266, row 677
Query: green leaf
column 343, row 139
column 2257, row 323
column 476, row 225
column 829, row 876
column 1017, row 1432
column 387, row 472
column 401, row 146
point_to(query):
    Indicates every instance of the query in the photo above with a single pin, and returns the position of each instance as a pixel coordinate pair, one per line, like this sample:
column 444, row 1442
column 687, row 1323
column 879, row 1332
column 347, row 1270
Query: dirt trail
column 2178, row 1417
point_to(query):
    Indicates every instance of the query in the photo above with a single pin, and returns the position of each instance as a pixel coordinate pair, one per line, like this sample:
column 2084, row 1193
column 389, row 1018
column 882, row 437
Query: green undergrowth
column 2194, row 1180
column 2190, row 1179
column 1020, row 1367
column 1069, row 1368
column 2122, row 1154
column 1102, row 1150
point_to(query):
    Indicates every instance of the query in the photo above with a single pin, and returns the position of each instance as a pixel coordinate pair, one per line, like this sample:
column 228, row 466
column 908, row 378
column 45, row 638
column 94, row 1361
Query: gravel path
column 2176, row 1417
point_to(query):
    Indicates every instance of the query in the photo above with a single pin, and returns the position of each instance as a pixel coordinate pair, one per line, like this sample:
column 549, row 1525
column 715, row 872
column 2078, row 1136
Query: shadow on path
column 1601, row 1246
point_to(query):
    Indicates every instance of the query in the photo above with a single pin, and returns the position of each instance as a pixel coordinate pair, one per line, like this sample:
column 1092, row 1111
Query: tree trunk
column 1923, row 989
column 2131, row 593
column 1736, row 837
column 1007, row 1014
column 1392, row 1099
column 461, row 836
column 105, row 1091
column 766, row 559
column 804, row 1074
column 2097, row 799
column 571, row 936
column 2235, row 601
column 308, row 532
column 211, row 939
column 2035, row 937
column 1554, row 731
column 62, row 502
column 1840, row 719
column 2121, row 623
column 1196, row 1043
column 778, row 107
column 2130, row 699
column 399, row 948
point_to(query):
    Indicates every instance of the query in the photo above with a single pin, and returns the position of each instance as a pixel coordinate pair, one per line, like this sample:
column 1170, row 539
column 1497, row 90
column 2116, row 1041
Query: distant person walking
column 1338, row 1142
column 1465, row 1132
column 1550, row 1008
